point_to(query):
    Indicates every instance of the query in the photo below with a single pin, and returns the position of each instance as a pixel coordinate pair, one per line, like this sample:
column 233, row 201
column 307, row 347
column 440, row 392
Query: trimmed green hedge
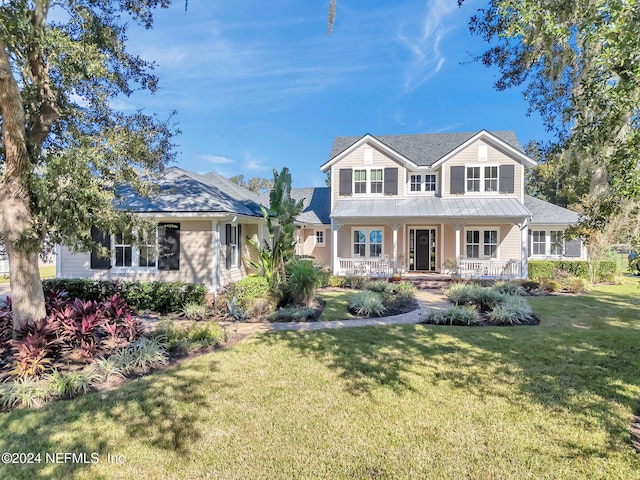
column 576, row 268
column 156, row 296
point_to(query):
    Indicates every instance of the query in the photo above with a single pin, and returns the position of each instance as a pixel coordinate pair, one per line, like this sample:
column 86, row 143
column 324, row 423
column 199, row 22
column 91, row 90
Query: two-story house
column 433, row 203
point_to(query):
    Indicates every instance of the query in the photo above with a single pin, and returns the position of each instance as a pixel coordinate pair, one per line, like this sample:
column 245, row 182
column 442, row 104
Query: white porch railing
column 4, row 267
column 489, row 268
column 370, row 266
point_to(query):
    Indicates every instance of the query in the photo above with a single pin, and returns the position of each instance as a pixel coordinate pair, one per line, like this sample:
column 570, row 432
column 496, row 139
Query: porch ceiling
column 450, row 209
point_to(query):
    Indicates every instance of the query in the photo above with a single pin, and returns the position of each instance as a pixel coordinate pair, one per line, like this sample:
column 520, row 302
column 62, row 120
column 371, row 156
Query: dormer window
column 423, row 182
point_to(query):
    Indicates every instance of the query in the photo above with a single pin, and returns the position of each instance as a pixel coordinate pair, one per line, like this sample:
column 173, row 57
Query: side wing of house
column 193, row 240
column 547, row 232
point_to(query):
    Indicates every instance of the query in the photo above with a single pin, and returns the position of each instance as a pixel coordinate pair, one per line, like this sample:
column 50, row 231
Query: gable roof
column 424, row 149
column 182, row 191
column 316, row 202
column 545, row 213
column 317, row 205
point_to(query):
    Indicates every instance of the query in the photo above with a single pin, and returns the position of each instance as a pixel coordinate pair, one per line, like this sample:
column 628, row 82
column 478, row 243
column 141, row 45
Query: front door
column 424, row 251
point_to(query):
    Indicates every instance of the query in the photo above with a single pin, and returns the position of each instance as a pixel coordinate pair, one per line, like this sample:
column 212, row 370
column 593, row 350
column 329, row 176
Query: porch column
column 458, row 228
column 395, row 247
column 335, row 265
column 524, row 249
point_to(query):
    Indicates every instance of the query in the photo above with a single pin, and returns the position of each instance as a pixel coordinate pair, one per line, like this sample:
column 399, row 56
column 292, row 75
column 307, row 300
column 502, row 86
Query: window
column 557, row 242
column 367, row 242
column 473, row 179
column 359, row 243
column 360, row 181
column 375, row 243
column 376, row 181
column 233, row 246
column 319, row 240
column 490, row 179
column 147, row 249
column 473, row 243
column 415, row 183
column 430, row 183
column 491, row 243
column 123, row 250
column 539, row 242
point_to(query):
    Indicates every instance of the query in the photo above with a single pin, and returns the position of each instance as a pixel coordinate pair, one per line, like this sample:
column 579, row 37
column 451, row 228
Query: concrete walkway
column 427, row 299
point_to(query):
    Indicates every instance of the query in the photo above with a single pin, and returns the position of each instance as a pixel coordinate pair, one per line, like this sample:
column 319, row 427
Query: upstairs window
column 376, row 181
column 490, row 179
column 473, row 179
column 360, row 181
column 415, row 183
column 430, row 183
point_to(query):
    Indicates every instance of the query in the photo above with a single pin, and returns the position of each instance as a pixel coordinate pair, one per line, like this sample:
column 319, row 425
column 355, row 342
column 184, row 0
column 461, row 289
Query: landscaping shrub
column 291, row 314
column 367, row 303
column 71, row 384
column 194, row 311
column 260, row 307
column 529, row 285
column 550, row 285
column 577, row 285
column 606, row 270
column 508, row 287
column 249, row 287
column 355, row 281
column 376, row 286
column 193, row 337
column 325, row 273
column 513, row 310
column 24, row 392
column 155, row 296
column 456, row 315
column 303, row 281
column 339, row 282
column 473, row 294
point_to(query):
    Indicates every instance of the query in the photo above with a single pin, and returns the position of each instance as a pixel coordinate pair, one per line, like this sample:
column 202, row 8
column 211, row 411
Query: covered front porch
column 483, row 243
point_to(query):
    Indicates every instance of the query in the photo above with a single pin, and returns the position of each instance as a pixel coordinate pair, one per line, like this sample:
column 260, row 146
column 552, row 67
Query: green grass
column 48, row 271
column 407, row 401
column 337, row 304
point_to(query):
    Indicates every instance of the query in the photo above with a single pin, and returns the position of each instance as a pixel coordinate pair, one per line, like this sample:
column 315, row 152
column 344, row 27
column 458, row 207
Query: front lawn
column 336, row 304
column 403, row 401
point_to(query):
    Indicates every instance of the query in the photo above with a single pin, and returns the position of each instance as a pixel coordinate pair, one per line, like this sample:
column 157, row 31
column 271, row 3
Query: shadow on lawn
column 161, row 410
column 583, row 371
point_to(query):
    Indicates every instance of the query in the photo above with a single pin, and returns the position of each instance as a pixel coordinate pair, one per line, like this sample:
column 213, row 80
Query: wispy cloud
column 253, row 163
column 424, row 43
column 215, row 159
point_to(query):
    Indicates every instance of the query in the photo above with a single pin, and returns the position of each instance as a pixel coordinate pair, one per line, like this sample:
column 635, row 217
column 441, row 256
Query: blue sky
column 260, row 85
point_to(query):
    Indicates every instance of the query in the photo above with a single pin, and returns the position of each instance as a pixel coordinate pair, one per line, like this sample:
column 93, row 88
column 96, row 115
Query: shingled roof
column 317, row 205
column 424, row 149
column 182, row 191
column 545, row 213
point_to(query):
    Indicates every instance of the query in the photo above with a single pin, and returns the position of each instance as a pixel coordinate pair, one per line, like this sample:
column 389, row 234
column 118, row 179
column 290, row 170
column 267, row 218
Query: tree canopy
column 256, row 185
column 65, row 148
column 579, row 66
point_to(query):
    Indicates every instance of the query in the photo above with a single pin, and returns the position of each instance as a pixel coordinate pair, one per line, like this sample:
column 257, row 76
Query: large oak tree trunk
column 16, row 220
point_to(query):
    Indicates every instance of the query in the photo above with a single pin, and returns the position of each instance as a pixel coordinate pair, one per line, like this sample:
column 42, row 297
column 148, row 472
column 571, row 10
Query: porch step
column 427, row 281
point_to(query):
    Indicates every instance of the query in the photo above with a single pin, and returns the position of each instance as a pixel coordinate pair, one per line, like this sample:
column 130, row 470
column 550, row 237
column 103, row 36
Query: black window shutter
column 346, row 179
column 239, row 248
column 457, row 179
column 391, row 181
column 104, row 239
column 168, row 246
column 572, row 248
column 529, row 251
column 227, row 242
column 506, row 178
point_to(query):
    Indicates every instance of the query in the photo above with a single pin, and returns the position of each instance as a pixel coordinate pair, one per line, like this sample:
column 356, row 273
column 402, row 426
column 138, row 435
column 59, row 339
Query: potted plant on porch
column 451, row 267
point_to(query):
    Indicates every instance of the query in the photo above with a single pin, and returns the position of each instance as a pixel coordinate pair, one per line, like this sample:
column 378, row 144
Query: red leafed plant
column 35, row 341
